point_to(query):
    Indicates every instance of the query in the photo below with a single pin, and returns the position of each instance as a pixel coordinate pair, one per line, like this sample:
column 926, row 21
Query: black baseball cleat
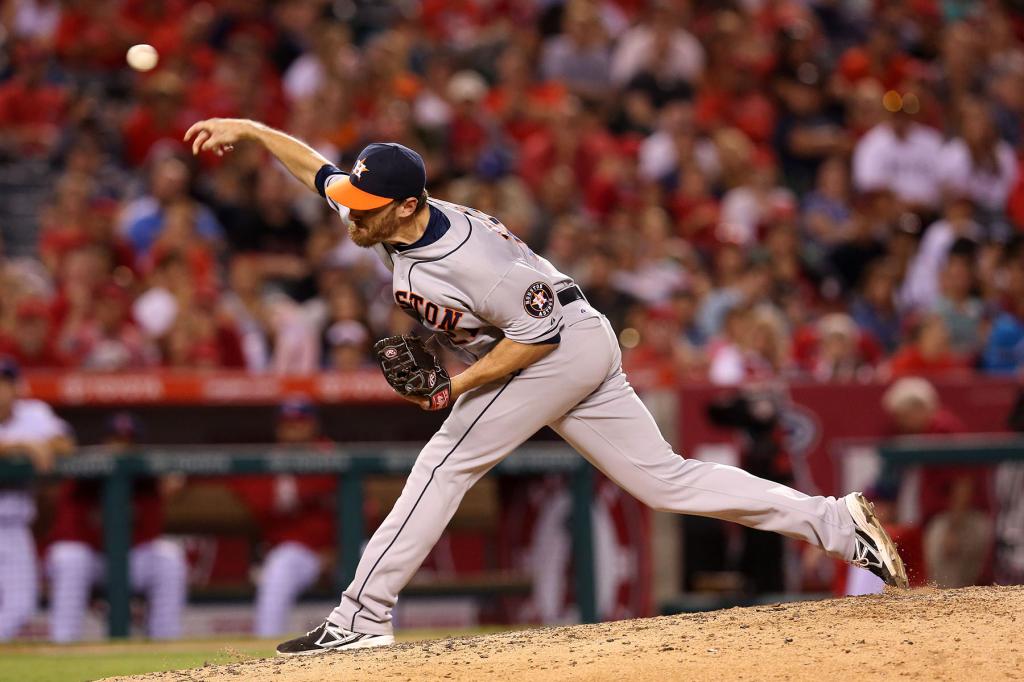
column 330, row 637
column 874, row 549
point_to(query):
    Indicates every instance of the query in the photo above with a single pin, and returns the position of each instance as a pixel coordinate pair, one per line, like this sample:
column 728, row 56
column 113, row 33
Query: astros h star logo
column 539, row 300
column 359, row 169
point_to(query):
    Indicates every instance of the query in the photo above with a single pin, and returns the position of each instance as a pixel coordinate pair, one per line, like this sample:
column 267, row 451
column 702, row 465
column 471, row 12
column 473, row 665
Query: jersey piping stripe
column 434, row 260
column 359, row 594
column 556, row 328
column 437, row 258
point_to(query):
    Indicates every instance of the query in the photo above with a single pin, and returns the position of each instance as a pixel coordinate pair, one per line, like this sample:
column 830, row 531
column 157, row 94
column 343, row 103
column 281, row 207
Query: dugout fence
column 351, row 463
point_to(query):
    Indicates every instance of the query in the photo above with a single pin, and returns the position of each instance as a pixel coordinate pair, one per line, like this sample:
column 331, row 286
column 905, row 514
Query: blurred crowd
column 764, row 188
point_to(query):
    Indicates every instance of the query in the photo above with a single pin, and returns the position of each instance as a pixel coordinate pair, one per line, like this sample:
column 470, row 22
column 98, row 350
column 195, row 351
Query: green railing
column 952, row 449
column 351, row 463
column 905, row 451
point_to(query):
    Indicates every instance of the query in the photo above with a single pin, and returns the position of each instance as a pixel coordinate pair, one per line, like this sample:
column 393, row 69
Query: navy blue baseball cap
column 383, row 172
column 9, row 370
column 296, row 407
column 124, row 425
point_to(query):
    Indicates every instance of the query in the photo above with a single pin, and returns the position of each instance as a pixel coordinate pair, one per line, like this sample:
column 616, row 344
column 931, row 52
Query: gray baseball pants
column 581, row 392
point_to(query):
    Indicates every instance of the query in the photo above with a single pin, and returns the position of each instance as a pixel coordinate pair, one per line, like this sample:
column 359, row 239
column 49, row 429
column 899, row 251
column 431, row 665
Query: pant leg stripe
column 352, row 625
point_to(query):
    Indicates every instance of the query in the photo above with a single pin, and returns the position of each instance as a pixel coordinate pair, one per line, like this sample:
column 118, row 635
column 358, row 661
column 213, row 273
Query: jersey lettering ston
column 476, row 283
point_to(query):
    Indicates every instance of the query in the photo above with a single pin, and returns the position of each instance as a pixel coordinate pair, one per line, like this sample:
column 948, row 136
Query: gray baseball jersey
column 472, row 281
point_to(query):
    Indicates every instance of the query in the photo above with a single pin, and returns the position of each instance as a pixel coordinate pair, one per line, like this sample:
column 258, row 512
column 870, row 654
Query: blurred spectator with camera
column 295, row 514
column 756, row 415
column 28, row 428
column 75, row 560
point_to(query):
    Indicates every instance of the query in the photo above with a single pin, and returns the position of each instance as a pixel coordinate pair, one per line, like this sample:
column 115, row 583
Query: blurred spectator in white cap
column 348, row 345
column 952, row 501
column 839, row 354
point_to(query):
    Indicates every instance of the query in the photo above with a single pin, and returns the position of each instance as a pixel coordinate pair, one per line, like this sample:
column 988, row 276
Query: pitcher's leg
column 465, row 447
column 613, row 430
column 485, row 425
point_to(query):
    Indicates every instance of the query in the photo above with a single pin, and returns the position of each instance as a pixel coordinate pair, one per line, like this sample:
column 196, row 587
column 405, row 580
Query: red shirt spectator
column 929, row 354
column 161, row 117
column 79, row 513
column 31, row 109
column 293, row 508
column 91, row 36
column 31, row 343
column 938, row 482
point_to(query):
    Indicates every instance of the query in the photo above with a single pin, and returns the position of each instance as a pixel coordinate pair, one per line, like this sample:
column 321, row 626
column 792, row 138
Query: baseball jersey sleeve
column 524, row 306
column 327, row 174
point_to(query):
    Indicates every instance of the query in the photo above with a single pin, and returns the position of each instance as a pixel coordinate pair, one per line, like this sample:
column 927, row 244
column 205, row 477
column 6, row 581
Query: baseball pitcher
column 543, row 357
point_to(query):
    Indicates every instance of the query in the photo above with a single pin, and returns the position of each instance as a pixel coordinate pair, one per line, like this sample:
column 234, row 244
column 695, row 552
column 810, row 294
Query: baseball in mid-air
column 142, row 57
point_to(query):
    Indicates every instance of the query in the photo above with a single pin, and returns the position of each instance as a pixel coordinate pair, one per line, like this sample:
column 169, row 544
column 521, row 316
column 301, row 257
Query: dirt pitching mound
column 927, row 634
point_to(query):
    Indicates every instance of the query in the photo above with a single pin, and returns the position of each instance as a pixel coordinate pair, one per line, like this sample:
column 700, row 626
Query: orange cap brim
column 345, row 193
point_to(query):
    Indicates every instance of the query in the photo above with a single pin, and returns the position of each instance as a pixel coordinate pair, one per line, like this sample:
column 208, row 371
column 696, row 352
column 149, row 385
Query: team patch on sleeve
column 539, row 300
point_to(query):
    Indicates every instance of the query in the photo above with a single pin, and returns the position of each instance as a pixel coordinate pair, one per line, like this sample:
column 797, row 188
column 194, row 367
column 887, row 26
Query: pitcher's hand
column 218, row 135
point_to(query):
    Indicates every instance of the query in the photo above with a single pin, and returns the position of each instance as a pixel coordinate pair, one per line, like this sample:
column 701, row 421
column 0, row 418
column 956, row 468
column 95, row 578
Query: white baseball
column 142, row 57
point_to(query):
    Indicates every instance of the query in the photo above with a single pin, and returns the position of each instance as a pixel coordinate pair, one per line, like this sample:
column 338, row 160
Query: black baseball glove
column 412, row 370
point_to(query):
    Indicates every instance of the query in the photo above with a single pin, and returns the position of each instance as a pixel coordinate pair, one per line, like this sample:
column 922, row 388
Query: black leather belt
column 570, row 294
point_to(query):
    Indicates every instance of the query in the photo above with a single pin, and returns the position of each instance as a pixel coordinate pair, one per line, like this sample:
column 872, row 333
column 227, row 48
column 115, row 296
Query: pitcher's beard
column 367, row 236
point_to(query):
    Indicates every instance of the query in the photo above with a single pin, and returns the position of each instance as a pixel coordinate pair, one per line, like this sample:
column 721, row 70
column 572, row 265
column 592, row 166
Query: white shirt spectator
column 155, row 311
column 988, row 188
column 743, row 209
column 652, row 282
column 303, row 78
column 430, row 110
column 31, row 421
column 659, row 157
column 908, row 166
column 585, row 68
column 292, row 350
column 728, row 366
column 685, row 58
column 36, row 20
column 920, row 289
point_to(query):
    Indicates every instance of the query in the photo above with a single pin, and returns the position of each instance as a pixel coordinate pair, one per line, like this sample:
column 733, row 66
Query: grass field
column 93, row 661
column 80, row 662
